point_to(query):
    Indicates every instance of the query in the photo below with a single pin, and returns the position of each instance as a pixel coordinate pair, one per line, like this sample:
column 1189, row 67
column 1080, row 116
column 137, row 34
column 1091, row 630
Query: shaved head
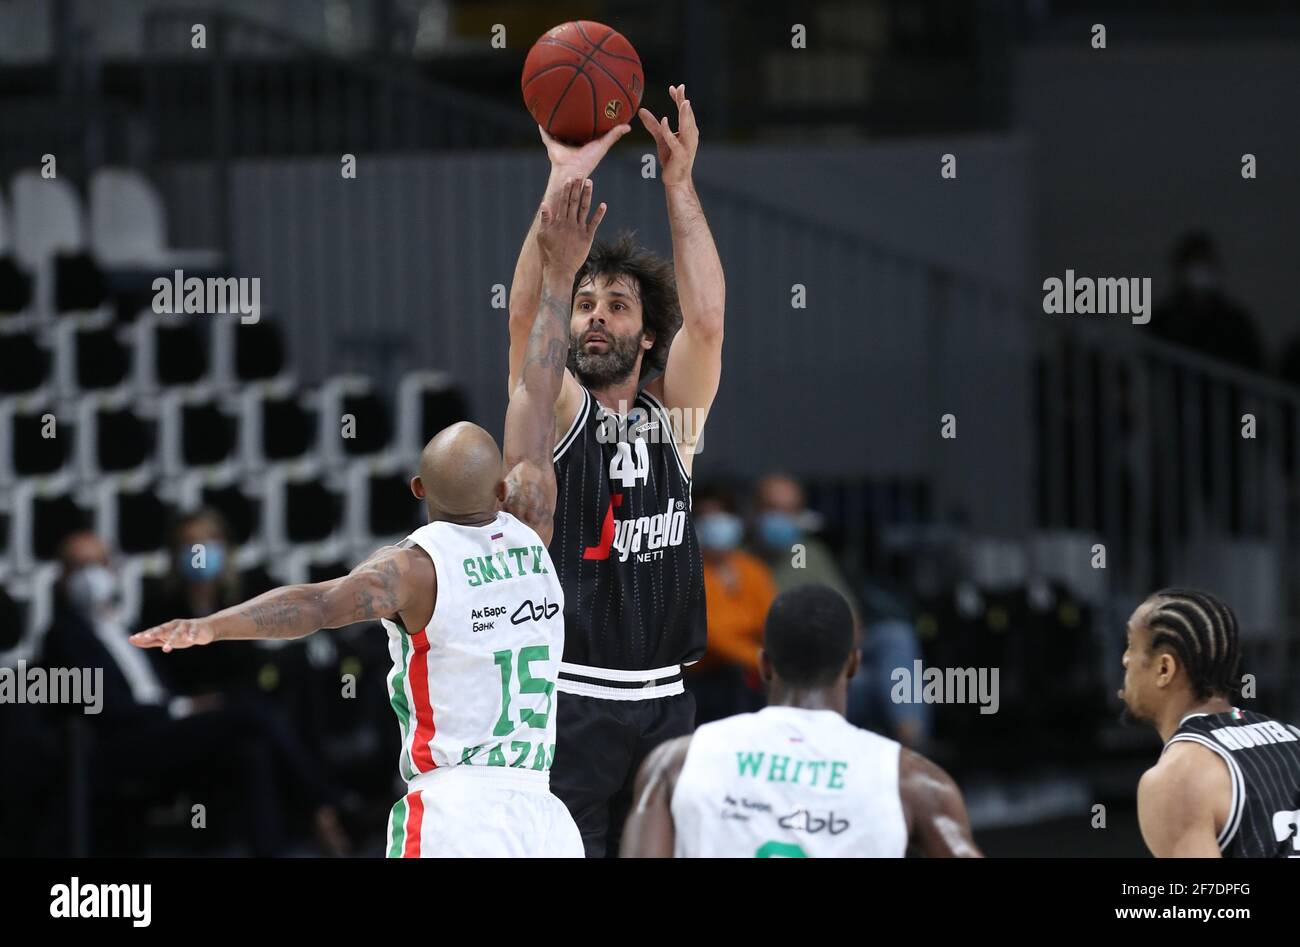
column 461, row 476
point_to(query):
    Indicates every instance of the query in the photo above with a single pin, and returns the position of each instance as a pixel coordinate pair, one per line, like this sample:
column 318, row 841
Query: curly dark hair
column 655, row 283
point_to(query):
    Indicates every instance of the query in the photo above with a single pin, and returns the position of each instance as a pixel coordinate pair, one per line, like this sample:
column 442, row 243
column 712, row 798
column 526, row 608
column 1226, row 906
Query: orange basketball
column 581, row 79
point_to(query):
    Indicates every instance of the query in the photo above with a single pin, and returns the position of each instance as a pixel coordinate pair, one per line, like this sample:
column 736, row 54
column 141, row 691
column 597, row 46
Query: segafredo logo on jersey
column 645, row 537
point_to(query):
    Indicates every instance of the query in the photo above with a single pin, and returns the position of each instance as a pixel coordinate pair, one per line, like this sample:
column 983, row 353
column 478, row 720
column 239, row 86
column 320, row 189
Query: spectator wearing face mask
column 738, row 590
column 147, row 736
column 782, row 520
column 1199, row 315
column 203, row 579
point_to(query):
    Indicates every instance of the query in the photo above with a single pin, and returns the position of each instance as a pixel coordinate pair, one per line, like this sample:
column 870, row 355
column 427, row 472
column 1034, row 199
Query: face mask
column 93, row 590
column 719, row 531
column 194, row 567
column 778, row 530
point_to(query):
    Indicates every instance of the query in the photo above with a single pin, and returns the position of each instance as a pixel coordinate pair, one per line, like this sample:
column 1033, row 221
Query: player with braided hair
column 1228, row 780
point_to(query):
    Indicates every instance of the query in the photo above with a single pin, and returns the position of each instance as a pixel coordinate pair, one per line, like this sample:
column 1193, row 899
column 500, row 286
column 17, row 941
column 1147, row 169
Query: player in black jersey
column 645, row 359
column 1228, row 780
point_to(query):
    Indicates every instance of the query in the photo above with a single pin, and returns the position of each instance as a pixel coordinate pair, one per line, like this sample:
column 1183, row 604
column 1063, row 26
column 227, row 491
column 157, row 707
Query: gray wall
column 1126, row 159
column 394, row 271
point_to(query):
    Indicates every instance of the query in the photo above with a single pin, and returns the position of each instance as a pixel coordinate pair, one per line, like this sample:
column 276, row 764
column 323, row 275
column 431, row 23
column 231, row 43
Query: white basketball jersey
column 475, row 687
column 788, row 782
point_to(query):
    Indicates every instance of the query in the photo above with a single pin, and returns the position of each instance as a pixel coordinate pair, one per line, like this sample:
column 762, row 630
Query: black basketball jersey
column 1263, row 758
column 624, row 543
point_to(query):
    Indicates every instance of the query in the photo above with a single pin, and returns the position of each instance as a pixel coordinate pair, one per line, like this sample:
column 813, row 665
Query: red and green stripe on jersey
column 408, row 693
column 404, row 826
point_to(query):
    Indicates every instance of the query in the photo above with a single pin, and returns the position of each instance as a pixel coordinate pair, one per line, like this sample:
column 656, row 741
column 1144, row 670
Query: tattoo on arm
column 377, row 588
column 548, row 343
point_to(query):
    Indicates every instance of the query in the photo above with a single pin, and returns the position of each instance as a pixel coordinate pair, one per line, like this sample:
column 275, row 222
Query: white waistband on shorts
column 613, row 684
column 583, row 689
column 525, row 780
column 610, row 674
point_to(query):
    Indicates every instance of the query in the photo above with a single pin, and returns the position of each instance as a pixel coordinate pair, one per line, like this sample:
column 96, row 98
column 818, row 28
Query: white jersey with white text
column 475, row 687
column 788, row 782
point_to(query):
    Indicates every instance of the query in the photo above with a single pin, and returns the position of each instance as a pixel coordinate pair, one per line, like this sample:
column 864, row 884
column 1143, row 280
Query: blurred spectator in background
column 1198, row 315
column 149, row 741
column 202, row 579
column 738, row 590
column 782, row 520
column 888, row 641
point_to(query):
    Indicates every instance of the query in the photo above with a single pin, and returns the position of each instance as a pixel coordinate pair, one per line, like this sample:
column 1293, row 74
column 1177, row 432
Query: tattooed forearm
column 548, row 343
column 372, row 590
column 288, row 612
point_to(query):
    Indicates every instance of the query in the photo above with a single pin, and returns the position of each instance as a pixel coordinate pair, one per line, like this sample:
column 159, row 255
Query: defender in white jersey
column 472, row 607
column 796, row 779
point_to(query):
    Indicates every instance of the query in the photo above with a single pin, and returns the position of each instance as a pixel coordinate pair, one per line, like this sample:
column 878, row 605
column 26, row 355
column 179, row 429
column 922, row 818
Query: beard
column 600, row 369
column 1130, row 716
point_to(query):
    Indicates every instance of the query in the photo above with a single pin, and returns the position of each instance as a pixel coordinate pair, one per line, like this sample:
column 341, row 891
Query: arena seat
column 240, row 510
column 195, row 430
column 44, row 511
column 299, row 506
column 180, row 356
column 274, row 425
column 89, row 354
column 367, row 428
column 26, row 452
column 111, row 437
column 427, row 402
column 25, row 364
column 380, row 507
column 131, row 516
column 128, row 225
column 169, row 351
column 259, row 350
column 47, row 220
column 15, row 282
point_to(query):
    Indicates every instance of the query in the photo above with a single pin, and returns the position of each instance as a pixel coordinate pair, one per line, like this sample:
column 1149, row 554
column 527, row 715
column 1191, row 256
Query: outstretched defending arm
column 564, row 238
column 937, row 823
column 567, row 162
column 381, row 587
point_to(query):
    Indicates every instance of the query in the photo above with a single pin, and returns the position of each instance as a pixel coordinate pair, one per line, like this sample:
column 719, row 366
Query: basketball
column 580, row 80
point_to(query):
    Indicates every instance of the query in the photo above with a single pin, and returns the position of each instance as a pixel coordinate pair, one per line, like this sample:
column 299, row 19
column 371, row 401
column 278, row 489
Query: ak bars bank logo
column 646, row 537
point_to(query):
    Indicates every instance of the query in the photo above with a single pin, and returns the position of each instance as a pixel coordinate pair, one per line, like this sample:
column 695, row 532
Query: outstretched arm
column 649, row 832
column 938, row 826
column 690, row 380
column 567, row 162
column 381, row 587
column 564, row 238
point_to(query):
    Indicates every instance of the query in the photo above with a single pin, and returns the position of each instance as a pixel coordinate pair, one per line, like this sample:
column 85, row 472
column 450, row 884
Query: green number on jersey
column 527, row 685
column 780, row 850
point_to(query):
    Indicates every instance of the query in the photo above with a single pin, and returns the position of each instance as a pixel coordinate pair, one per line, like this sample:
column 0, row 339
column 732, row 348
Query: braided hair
column 1202, row 631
